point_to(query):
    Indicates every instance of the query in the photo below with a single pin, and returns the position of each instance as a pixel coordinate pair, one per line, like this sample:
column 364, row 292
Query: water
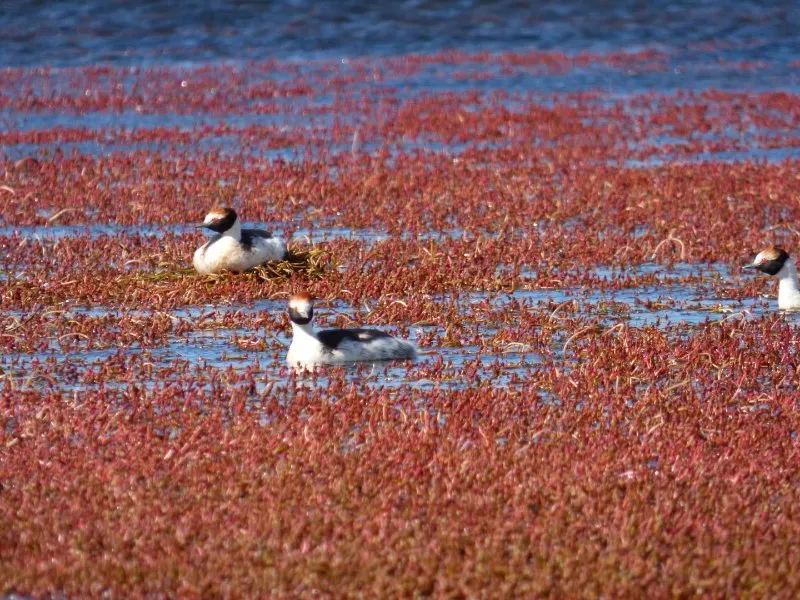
column 220, row 337
column 71, row 33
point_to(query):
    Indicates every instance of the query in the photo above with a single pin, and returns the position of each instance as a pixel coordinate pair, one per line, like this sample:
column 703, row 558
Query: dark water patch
column 79, row 33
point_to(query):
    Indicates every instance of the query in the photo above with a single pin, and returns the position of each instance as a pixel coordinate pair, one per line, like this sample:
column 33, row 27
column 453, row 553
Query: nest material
column 312, row 263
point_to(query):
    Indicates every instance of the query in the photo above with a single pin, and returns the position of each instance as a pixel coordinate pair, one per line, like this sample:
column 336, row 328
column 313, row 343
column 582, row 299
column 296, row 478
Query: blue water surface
column 73, row 33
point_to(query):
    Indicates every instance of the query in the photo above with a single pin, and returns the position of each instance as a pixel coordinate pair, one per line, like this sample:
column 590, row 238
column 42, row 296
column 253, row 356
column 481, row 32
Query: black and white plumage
column 337, row 346
column 777, row 263
column 233, row 248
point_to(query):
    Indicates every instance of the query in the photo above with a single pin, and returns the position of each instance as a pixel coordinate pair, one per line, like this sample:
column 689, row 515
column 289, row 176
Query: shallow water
column 675, row 308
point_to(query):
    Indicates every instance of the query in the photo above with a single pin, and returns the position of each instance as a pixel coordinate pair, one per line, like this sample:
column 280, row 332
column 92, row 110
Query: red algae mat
column 604, row 404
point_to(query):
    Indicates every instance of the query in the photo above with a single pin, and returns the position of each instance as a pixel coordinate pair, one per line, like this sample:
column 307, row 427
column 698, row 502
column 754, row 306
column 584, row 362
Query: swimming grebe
column 337, row 346
column 777, row 262
column 233, row 248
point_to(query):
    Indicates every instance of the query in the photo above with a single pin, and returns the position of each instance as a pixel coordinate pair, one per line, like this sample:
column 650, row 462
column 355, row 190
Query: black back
column 331, row 338
column 771, row 267
column 249, row 236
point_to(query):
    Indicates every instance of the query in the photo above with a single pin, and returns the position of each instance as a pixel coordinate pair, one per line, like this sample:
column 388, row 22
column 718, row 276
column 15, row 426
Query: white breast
column 305, row 351
column 788, row 288
column 788, row 295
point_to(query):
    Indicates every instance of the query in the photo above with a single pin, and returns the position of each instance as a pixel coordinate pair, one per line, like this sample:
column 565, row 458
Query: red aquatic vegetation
column 563, row 433
column 478, row 464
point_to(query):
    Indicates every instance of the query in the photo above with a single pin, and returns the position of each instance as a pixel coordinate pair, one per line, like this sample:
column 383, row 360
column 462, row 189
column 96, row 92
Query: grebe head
column 769, row 261
column 219, row 220
column 301, row 308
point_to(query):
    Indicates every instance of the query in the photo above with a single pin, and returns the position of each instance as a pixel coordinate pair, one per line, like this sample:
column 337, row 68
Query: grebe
column 777, row 262
column 337, row 346
column 233, row 248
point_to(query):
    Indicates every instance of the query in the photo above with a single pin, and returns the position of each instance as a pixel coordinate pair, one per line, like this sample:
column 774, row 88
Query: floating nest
column 312, row 264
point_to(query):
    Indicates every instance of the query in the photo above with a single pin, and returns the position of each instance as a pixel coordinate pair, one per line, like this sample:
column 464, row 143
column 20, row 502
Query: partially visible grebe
column 777, row 262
